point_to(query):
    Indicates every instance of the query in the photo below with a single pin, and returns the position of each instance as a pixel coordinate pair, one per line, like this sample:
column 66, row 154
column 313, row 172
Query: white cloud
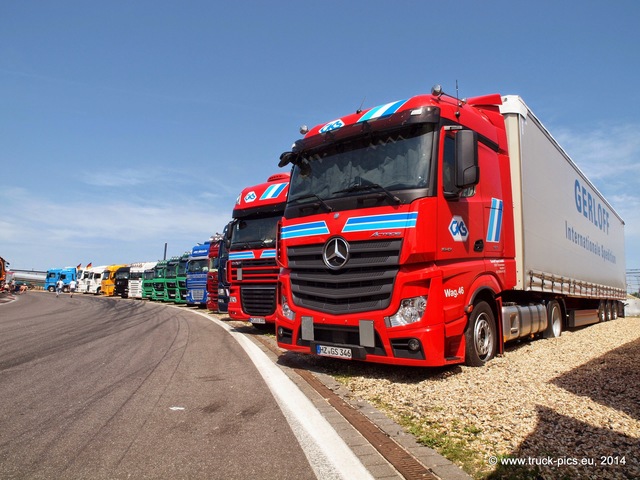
column 40, row 233
column 605, row 154
column 127, row 177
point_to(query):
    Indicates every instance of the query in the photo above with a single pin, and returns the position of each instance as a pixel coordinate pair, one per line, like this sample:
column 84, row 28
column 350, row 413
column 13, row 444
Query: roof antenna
column 458, row 100
column 359, row 110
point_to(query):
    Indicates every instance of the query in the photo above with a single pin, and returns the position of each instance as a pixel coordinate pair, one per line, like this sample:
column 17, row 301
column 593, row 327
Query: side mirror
column 227, row 234
column 293, row 155
column 467, row 171
column 285, row 159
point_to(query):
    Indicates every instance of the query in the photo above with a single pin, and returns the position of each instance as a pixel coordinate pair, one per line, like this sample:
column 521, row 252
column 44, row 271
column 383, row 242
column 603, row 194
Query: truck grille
column 365, row 283
column 258, row 300
column 197, row 294
column 254, row 271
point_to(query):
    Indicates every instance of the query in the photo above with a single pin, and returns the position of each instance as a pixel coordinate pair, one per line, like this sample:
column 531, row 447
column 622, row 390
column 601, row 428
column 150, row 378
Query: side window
column 448, row 165
column 449, row 168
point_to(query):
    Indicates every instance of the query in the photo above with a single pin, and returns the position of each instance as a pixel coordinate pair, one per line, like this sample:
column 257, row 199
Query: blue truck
column 197, row 268
column 54, row 274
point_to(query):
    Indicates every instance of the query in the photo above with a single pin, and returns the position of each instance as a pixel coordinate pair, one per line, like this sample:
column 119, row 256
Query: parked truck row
column 234, row 272
column 424, row 232
column 181, row 279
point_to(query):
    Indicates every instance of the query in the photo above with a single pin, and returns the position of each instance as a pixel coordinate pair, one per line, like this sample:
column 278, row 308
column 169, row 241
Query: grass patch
column 455, row 444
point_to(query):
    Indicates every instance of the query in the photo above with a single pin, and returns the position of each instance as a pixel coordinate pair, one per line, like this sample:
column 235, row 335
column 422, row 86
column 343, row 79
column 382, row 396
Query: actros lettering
column 591, row 208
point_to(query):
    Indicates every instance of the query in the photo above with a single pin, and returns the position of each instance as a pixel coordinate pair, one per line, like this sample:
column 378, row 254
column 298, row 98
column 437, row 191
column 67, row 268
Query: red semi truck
column 431, row 231
column 212, row 276
column 252, row 271
column 217, row 288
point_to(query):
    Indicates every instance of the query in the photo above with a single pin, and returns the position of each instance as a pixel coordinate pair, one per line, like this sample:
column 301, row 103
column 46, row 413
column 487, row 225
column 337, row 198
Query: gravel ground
column 572, row 400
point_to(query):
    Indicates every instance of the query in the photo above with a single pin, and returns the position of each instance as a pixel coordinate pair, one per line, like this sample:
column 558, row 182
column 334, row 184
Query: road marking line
column 329, row 456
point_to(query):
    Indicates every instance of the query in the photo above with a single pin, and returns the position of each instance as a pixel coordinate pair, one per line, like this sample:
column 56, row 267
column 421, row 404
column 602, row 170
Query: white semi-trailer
column 569, row 240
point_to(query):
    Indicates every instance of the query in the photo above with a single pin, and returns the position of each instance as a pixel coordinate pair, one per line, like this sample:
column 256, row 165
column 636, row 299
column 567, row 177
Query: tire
column 554, row 320
column 602, row 316
column 52, row 289
column 481, row 336
column 608, row 310
column 614, row 310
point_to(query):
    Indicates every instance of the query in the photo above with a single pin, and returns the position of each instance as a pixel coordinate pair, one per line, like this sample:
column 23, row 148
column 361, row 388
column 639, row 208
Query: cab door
column 461, row 212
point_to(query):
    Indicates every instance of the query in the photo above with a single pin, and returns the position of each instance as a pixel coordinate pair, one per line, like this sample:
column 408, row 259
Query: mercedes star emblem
column 335, row 253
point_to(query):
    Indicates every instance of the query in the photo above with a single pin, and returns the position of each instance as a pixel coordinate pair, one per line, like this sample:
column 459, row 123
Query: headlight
column 411, row 310
column 286, row 311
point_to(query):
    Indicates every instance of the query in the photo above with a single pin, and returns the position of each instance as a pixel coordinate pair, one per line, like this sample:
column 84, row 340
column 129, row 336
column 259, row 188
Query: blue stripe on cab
column 381, row 222
column 304, row 230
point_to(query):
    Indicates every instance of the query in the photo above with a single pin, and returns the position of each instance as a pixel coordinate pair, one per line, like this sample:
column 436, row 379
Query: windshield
column 159, row 272
column 122, row 275
column 396, row 161
column 171, row 270
column 149, row 274
column 182, row 268
column 255, row 232
column 198, row 266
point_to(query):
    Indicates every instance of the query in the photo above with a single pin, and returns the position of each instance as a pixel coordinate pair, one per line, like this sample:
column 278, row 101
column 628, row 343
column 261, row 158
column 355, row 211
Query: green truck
column 159, row 281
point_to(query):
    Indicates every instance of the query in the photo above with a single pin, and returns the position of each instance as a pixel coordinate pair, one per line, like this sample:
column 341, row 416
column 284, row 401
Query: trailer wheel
column 602, row 316
column 480, row 336
column 554, row 320
column 609, row 310
column 614, row 310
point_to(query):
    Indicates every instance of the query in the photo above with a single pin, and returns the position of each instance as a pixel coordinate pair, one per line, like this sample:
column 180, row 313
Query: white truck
column 91, row 280
column 135, row 277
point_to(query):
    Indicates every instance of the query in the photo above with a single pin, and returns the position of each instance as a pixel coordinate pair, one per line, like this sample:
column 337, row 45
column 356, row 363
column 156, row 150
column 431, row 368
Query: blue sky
column 128, row 124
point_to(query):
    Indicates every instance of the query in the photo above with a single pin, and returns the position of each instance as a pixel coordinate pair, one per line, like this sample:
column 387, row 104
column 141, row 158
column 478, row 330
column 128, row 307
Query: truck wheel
column 480, row 336
column 554, row 320
column 51, row 289
column 608, row 310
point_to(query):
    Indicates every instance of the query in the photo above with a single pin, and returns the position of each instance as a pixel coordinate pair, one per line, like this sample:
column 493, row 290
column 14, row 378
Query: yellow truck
column 107, row 285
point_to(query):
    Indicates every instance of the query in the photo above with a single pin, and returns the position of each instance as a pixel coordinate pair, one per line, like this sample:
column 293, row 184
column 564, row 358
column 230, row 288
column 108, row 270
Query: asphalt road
column 95, row 387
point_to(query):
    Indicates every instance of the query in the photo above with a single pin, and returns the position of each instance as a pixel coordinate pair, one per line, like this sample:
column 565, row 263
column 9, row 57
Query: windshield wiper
column 313, row 195
column 370, row 186
column 241, row 245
